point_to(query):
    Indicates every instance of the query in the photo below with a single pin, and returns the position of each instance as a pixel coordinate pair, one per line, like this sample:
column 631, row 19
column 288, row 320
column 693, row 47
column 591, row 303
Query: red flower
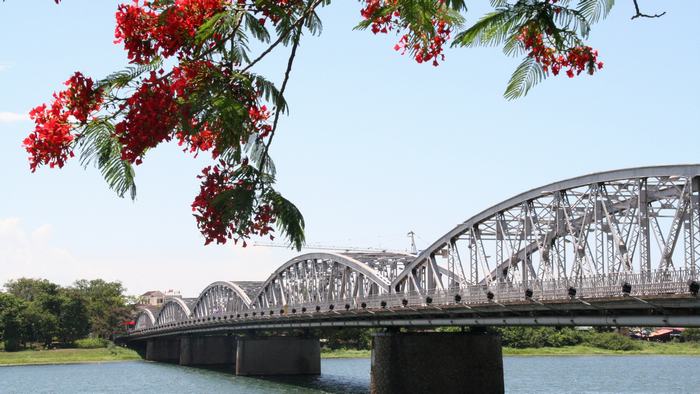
column 151, row 29
column 152, row 118
column 211, row 216
column 50, row 142
column 575, row 59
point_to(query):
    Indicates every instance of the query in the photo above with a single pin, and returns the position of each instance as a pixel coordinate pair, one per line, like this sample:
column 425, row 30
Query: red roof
column 665, row 331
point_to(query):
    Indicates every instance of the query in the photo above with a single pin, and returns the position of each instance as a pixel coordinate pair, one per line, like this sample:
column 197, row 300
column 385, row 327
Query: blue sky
column 376, row 145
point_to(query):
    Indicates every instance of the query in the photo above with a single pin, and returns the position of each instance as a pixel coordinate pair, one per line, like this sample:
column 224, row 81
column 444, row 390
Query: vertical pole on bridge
column 644, row 244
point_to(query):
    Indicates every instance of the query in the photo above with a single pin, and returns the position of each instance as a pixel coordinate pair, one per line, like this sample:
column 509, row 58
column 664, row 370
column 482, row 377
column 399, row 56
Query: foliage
column 550, row 34
column 106, row 305
column 192, row 79
column 36, row 311
column 612, row 341
column 11, row 321
column 346, row 338
column 74, row 318
column 536, row 337
column 691, row 335
column 91, row 343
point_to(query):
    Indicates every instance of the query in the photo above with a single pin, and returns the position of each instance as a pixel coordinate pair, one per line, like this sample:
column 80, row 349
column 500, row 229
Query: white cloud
column 34, row 253
column 4, row 66
column 12, row 117
column 24, row 254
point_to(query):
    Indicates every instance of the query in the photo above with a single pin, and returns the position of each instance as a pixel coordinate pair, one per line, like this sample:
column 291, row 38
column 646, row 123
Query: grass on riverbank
column 647, row 348
column 67, row 356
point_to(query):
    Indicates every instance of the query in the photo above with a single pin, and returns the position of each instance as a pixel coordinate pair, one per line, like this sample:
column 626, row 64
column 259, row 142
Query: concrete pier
column 207, row 350
column 436, row 363
column 278, row 356
column 165, row 350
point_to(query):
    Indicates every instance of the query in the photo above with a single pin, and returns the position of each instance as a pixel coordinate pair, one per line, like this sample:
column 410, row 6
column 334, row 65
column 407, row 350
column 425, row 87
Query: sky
column 375, row 145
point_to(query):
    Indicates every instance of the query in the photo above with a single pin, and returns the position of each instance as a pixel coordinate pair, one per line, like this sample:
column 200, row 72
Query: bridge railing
column 592, row 287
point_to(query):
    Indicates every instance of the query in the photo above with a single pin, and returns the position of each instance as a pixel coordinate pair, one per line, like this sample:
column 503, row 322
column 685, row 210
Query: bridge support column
column 278, row 356
column 139, row 347
column 165, row 350
column 436, row 363
column 207, row 350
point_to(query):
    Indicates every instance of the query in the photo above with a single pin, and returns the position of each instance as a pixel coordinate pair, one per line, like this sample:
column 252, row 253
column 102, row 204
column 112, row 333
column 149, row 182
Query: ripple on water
column 589, row 374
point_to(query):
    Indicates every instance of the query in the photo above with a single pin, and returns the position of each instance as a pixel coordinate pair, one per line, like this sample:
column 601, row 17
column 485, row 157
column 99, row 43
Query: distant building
column 665, row 334
column 157, row 298
column 170, row 293
column 154, row 298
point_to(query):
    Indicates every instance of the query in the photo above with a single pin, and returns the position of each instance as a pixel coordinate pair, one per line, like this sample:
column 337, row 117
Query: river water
column 563, row 374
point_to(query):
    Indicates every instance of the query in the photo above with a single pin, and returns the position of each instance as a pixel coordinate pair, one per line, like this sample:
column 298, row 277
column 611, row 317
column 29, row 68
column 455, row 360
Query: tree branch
column 298, row 23
column 278, row 110
column 639, row 14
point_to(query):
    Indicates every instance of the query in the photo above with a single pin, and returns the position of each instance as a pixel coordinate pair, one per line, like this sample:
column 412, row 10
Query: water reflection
column 590, row 374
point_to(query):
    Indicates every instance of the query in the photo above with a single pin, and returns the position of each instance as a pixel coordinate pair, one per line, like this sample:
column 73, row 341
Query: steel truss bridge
column 613, row 248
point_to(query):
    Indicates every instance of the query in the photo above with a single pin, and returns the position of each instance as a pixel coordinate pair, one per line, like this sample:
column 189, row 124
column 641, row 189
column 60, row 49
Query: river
column 563, row 374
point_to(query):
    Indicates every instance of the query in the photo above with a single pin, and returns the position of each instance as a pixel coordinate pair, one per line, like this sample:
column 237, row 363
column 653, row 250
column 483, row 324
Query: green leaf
column 595, row 10
column 290, row 222
column 491, row 30
column 122, row 78
column 100, row 147
column 528, row 74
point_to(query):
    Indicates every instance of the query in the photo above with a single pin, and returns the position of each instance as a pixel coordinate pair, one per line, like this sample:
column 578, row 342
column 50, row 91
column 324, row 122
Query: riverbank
column 67, row 356
column 75, row 356
column 646, row 348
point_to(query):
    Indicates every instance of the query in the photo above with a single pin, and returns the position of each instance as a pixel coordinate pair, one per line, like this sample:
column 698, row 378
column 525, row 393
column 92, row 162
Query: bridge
column 617, row 248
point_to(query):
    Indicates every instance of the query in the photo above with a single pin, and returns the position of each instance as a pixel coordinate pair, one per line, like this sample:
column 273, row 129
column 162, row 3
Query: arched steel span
column 595, row 230
column 144, row 319
column 321, row 278
column 173, row 310
column 221, row 298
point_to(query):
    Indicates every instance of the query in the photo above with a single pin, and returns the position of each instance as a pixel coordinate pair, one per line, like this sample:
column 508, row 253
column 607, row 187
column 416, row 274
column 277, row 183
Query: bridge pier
column 278, row 356
column 207, row 350
column 436, row 363
column 165, row 350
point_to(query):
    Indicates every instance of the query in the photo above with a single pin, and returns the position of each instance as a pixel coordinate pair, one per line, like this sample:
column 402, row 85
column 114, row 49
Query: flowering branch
column 191, row 80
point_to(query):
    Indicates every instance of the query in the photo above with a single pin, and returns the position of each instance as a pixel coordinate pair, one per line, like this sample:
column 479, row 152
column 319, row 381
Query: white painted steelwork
column 173, row 310
column 220, row 298
column 613, row 248
column 579, row 230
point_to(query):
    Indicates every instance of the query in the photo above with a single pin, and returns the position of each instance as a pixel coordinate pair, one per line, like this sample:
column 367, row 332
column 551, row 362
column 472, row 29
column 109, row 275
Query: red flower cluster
column 258, row 118
column 50, row 142
column 380, row 24
column 423, row 48
column 200, row 142
column 190, row 76
column 575, row 59
column 152, row 118
column 81, row 98
column 146, row 30
column 211, row 221
column 430, row 49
